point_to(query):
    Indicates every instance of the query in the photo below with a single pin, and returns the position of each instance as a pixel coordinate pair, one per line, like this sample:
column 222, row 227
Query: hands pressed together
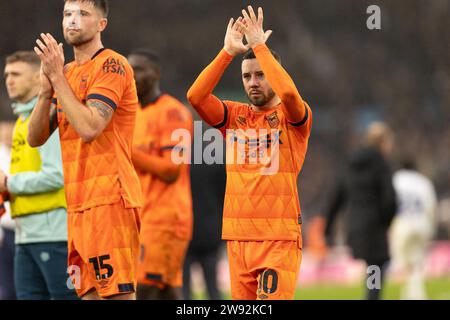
column 52, row 57
column 249, row 26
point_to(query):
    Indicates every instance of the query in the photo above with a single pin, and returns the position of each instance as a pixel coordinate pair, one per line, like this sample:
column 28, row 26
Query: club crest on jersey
column 273, row 120
column 242, row 120
column 112, row 65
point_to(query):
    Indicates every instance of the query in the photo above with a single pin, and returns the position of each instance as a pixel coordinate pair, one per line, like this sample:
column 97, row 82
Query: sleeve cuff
column 302, row 122
column 223, row 55
column 261, row 48
column 103, row 99
column 225, row 117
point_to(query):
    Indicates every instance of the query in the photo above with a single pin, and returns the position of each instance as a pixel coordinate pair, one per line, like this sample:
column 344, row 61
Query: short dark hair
column 29, row 57
column 103, row 5
column 251, row 55
column 150, row 55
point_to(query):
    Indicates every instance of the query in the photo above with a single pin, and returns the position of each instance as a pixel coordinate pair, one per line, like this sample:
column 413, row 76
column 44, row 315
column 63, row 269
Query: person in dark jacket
column 208, row 190
column 366, row 188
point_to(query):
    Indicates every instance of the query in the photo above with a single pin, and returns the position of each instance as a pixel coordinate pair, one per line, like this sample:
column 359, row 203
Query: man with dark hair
column 167, row 213
column 250, row 55
column 101, row 5
column 262, row 216
column 36, row 193
column 93, row 101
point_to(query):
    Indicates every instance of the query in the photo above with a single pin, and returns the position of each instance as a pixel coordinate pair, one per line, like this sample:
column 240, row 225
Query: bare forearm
column 79, row 116
column 39, row 125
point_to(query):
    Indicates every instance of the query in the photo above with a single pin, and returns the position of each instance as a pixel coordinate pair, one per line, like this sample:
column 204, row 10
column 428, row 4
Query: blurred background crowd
column 348, row 74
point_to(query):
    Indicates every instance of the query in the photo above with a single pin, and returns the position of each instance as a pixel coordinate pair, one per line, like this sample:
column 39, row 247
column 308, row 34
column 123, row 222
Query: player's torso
column 255, row 137
column 99, row 172
column 264, row 158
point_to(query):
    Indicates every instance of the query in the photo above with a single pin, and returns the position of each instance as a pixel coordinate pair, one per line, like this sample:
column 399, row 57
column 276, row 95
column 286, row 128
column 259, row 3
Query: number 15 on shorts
column 102, row 269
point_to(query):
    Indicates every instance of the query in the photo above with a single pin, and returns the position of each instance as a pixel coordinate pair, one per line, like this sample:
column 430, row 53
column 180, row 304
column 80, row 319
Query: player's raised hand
column 52, row 56
column 234, row 38
column 253, row 27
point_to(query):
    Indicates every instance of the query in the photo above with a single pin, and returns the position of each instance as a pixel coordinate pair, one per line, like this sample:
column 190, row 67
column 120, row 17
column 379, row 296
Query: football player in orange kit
column 262, row 218
column 93, row 100
column 167, row 212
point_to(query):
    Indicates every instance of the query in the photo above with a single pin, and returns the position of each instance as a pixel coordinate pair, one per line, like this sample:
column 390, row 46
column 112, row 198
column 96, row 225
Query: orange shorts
column 264, row 269
column 161, row 259
column 103, row 248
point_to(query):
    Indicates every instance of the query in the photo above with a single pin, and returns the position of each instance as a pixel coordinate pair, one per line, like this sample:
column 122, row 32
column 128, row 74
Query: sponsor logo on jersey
column 114, row 66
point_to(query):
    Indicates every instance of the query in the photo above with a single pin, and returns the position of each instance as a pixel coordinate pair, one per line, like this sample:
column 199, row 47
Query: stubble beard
column 263, row 100
column 78, row 41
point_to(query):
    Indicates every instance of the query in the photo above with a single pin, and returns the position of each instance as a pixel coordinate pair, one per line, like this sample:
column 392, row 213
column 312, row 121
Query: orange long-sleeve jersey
column 261, row 198
column 167, row 206
column 101, row 172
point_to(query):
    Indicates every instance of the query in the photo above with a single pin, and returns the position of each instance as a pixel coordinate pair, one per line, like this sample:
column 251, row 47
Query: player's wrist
column 56, row 78
column 255, row 44
column 225, row 56
column 45, row 94
column 260, row 47
column 229, row 52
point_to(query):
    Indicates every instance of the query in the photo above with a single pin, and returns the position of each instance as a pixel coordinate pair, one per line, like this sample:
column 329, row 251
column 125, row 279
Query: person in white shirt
column 413, row 228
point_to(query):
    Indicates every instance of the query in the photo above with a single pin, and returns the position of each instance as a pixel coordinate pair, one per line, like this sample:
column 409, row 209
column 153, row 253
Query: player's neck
column 29, row 96
column 86, row 51
column 150, row 97
column 272, row 104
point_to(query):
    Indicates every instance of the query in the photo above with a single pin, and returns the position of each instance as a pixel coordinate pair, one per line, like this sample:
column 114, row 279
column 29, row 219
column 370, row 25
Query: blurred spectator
column 365, row 185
